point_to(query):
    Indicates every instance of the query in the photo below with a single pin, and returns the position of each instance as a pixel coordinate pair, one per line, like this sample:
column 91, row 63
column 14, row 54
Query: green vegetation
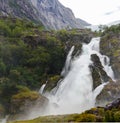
column 52, row 82
column 25, row 93
column 93, row 115
column 29, row 55
column 110, row 46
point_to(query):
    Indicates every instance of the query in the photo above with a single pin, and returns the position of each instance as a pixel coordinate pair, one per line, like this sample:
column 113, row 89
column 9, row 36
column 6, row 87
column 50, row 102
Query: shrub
column 109, row 116
column 117, row 116
column 25, row 93
column 86, row 118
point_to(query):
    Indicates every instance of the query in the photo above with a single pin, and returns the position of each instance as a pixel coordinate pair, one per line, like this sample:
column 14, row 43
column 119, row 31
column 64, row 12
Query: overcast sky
column 95, row 11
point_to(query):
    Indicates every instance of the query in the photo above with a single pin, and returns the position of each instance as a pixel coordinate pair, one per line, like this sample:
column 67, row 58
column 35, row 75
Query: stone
column 51, row 13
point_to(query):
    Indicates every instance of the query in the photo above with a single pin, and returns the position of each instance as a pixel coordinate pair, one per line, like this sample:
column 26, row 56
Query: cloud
column 114, row 11
column 118, row 8
column 109, row 13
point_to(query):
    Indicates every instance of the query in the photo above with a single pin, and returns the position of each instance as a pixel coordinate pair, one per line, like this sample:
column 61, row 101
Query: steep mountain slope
column 19, row 8
column 51, row 13
column 57, row 16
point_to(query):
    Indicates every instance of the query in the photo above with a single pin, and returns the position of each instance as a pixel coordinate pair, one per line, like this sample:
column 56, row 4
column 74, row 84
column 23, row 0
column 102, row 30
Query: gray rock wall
column 51, row 13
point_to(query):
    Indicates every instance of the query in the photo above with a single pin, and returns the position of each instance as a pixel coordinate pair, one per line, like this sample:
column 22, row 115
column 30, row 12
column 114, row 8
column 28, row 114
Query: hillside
column 30, row 56
column 51, row 13
column 109, row 45
column 53, row 69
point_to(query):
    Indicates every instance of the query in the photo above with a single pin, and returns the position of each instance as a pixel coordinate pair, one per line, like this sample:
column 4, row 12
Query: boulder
column 98, row 72
column 23, row 104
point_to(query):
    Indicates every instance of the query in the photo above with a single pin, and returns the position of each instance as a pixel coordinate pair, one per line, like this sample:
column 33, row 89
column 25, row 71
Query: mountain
column 51, row 13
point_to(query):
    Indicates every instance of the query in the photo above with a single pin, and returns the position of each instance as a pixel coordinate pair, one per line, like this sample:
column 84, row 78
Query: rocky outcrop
column 21, row 106
column 114, row 104
column 110, row 92
column 19, row 8
column 98, row 73
column 51, row 13
column 57, row 16
column 75, row 37
column 110, row 46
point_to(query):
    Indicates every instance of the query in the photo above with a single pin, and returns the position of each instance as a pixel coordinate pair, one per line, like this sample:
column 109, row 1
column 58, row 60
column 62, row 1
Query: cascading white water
column 75, row 92
column 68, row 62
column 105, row 61
column 42, row 88
column 4, row 120
column 65, row 69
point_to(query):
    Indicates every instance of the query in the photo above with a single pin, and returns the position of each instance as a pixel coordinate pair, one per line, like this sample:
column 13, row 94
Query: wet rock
column 114, row 104
column 98, row 72
column 110, row 92
column 21, row 107
column 109, row 46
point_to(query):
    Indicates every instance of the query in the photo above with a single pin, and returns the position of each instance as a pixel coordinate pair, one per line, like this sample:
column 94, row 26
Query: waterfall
column 105, row 61
column 65, row 69
column 4, row 120
column 75, row 93
column 42, row 88
column 68, row 62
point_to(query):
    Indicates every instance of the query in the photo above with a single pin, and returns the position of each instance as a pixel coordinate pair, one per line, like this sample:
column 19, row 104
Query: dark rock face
column 99, row 68
column 57, row 16
column 51, row 13
column 114, row 104
column 19, row 8
column 110, row 92
column 98, row 73
column 76, row 38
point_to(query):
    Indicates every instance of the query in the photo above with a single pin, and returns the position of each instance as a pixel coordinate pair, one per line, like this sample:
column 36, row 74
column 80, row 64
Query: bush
column 86, row 118
column 109, row 116
column 32, row 95
column 2, row 111
column 117, row 116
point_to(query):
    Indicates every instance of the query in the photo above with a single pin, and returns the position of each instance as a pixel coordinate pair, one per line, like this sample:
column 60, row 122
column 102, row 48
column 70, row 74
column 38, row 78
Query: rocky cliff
column 51, row 13
column 110, row 46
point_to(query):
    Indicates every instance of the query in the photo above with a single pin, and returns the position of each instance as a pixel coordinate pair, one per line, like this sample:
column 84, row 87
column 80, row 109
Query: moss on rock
column 98, row 114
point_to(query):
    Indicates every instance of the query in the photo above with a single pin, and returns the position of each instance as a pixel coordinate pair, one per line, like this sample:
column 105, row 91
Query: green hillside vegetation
column 31, row 55
column 110, row 46
column 28, row 57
